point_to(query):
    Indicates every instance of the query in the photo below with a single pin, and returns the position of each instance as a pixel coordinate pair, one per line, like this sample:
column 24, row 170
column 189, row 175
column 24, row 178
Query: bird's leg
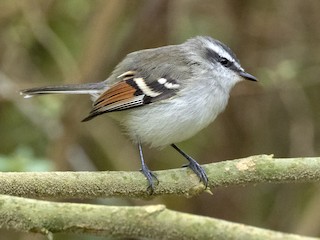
column 195, row 167
column 146, row 172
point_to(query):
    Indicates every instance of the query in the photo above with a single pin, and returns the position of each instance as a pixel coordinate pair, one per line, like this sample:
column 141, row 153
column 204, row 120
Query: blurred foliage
column 23, row 160
column 73, row 41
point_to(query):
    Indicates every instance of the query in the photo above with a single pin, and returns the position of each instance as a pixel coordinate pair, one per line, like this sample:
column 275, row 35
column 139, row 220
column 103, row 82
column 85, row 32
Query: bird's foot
column 151, row 178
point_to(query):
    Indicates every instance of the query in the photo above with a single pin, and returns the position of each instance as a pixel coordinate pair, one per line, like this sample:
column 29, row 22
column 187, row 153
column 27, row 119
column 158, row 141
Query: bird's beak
column 247, row 76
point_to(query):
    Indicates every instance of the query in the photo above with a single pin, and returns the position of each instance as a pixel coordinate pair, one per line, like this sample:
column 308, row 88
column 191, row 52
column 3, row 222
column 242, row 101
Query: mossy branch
column 254, row 169
column 148, row 222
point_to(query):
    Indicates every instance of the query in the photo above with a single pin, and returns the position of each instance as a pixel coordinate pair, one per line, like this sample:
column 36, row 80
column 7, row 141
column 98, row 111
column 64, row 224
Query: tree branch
column 255, row 169
column 148, row 222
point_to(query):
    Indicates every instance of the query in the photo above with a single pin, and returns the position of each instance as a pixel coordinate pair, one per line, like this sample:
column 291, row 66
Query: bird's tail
column 88, row 88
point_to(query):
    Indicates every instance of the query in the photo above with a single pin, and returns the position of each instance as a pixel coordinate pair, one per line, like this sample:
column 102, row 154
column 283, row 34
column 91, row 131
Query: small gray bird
column 165, row 95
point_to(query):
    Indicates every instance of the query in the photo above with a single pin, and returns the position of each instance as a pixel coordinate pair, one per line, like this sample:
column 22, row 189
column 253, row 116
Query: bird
column 165, row 95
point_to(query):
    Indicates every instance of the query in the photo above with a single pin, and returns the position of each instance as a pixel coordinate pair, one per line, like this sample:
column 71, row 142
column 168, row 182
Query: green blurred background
column 73, row 41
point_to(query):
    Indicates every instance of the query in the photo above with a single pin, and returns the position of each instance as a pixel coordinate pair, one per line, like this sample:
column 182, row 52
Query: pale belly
column 173, row 120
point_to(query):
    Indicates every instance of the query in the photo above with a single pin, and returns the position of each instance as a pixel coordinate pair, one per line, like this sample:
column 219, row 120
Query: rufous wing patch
column 131, row 91
column 116, row 98
column 118, row 92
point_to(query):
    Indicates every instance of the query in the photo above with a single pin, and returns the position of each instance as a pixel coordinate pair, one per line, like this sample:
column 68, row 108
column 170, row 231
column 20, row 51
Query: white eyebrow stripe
column 218, row 49
column 144, row 88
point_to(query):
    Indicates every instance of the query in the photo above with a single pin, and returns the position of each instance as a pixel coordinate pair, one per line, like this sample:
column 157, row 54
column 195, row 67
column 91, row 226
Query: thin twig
column 148, row 222
column 254, row 169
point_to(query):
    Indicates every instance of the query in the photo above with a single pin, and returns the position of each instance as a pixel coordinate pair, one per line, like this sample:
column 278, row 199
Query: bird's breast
column 175, row 119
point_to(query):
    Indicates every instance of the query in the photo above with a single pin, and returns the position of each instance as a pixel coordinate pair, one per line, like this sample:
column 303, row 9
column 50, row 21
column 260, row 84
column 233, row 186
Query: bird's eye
column 225, row 62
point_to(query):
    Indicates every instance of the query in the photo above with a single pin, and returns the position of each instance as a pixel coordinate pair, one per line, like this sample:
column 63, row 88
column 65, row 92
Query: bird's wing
column 133, row 90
